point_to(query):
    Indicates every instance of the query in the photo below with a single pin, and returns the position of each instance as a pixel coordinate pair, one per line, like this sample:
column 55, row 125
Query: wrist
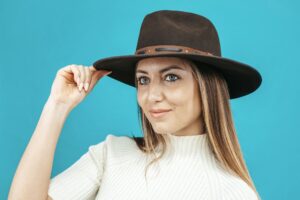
column 59, row 107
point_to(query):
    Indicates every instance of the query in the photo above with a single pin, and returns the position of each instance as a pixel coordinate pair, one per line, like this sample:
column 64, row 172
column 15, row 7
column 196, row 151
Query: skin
column 178, row 92
column 32, row 177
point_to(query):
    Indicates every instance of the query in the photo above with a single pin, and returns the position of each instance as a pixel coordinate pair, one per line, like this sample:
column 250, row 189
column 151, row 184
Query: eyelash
column 139, row 79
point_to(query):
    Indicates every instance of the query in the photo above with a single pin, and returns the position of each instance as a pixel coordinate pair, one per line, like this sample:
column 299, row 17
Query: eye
column 140, row 79
column 172, row 75
column 140, row 82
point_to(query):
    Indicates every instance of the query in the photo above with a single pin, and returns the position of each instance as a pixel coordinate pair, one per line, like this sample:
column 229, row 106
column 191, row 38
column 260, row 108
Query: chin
column 161, row 130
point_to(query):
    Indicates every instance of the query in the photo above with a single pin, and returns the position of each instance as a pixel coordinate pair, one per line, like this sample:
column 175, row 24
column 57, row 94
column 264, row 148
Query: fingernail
column 80, row 86
column 86, row 86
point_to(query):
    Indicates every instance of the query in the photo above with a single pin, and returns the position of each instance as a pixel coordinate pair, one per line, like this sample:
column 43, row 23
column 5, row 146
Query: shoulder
column 116, row 148
column 120, row 143
column 111, row 141
column 235, row 188
column 232, row 186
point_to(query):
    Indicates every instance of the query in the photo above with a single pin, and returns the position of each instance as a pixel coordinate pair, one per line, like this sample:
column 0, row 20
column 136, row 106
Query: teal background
column 39, row 37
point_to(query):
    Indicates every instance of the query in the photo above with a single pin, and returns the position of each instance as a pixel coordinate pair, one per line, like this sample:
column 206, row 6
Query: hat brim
column 241, row 78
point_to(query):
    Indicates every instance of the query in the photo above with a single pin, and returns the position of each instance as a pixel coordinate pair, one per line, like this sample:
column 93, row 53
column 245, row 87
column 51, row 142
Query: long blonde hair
column 218, row 124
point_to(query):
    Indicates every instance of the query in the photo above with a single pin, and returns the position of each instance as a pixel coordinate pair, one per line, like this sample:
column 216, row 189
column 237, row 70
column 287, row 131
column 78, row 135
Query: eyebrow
column 163, row 70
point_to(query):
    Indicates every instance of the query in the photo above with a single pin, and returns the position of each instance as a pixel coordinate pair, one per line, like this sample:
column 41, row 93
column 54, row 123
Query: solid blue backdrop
column 39, row 37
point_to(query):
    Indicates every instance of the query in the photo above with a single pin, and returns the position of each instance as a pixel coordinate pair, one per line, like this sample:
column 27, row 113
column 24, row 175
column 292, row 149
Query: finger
column 82, row 76
column 75, row 72
column 94, row 80
column 96, row 77
column 82, row 73
column 87, row 78
column 103, row 73
column 66, row 69
column 99, row 73
column 70, row 69
column 92, row 68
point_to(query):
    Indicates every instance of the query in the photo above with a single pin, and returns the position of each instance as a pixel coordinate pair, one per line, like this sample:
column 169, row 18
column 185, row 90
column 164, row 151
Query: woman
column 183, row 91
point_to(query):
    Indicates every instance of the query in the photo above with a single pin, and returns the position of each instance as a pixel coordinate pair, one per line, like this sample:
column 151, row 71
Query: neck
column 188, row 146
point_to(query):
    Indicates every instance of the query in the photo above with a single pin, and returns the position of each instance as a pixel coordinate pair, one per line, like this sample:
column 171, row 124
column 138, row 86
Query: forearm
column 32, row 177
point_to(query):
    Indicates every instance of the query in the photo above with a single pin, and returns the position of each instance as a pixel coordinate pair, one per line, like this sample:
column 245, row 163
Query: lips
column 156, row 113
column 159, row 110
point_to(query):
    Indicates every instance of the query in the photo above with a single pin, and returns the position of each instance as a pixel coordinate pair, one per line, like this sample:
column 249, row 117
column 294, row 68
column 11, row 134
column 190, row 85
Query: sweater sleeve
column 82, row 179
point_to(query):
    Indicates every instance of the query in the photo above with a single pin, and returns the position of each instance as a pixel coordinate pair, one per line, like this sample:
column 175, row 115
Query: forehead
column 155, row 63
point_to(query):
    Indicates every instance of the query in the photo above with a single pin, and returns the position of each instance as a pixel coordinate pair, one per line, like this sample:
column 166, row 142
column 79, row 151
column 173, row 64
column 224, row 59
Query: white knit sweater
column 114, row 169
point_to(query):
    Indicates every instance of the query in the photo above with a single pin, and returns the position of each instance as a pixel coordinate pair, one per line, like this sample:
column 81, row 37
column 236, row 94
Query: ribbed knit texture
column 114, row 169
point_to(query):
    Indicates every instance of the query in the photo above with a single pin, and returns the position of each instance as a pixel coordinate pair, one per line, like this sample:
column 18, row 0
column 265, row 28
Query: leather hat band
column 157, row 49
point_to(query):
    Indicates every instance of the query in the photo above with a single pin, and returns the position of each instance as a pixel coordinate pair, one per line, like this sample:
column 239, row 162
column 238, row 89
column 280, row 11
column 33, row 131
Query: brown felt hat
column 186, row 35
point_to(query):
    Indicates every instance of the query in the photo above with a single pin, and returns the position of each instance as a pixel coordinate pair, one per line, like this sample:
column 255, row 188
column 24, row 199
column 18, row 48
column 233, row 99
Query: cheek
column 141, row 98
column 185, row 101
column 183, row 105
column 181, row 95
column 177, row 98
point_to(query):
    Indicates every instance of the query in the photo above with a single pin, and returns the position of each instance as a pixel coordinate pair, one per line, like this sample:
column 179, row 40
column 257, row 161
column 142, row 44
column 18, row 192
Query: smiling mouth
column 159, row 114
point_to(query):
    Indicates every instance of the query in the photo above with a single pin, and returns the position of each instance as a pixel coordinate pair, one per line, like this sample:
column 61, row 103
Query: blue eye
column 168, row 75
column 139, row 80
column 172, row 75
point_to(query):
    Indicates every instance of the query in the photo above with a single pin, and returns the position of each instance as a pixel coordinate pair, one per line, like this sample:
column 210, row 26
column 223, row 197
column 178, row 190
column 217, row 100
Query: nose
column 155, row 92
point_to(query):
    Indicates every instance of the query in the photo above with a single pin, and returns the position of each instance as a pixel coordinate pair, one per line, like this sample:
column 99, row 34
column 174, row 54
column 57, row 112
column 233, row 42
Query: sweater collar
column 187, row 146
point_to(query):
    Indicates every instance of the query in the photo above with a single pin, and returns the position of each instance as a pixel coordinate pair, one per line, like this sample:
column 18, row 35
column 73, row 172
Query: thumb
column 101, row 74
column 97, row 77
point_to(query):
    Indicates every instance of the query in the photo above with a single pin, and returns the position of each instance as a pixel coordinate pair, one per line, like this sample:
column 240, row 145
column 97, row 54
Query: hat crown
column 186, row 35
column 170, row 27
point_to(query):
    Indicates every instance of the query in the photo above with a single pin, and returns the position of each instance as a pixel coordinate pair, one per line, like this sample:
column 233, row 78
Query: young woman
column 183, row 91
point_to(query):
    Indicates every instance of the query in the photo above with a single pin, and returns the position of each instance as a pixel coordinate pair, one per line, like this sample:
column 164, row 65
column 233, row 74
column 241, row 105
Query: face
column 167, row 83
